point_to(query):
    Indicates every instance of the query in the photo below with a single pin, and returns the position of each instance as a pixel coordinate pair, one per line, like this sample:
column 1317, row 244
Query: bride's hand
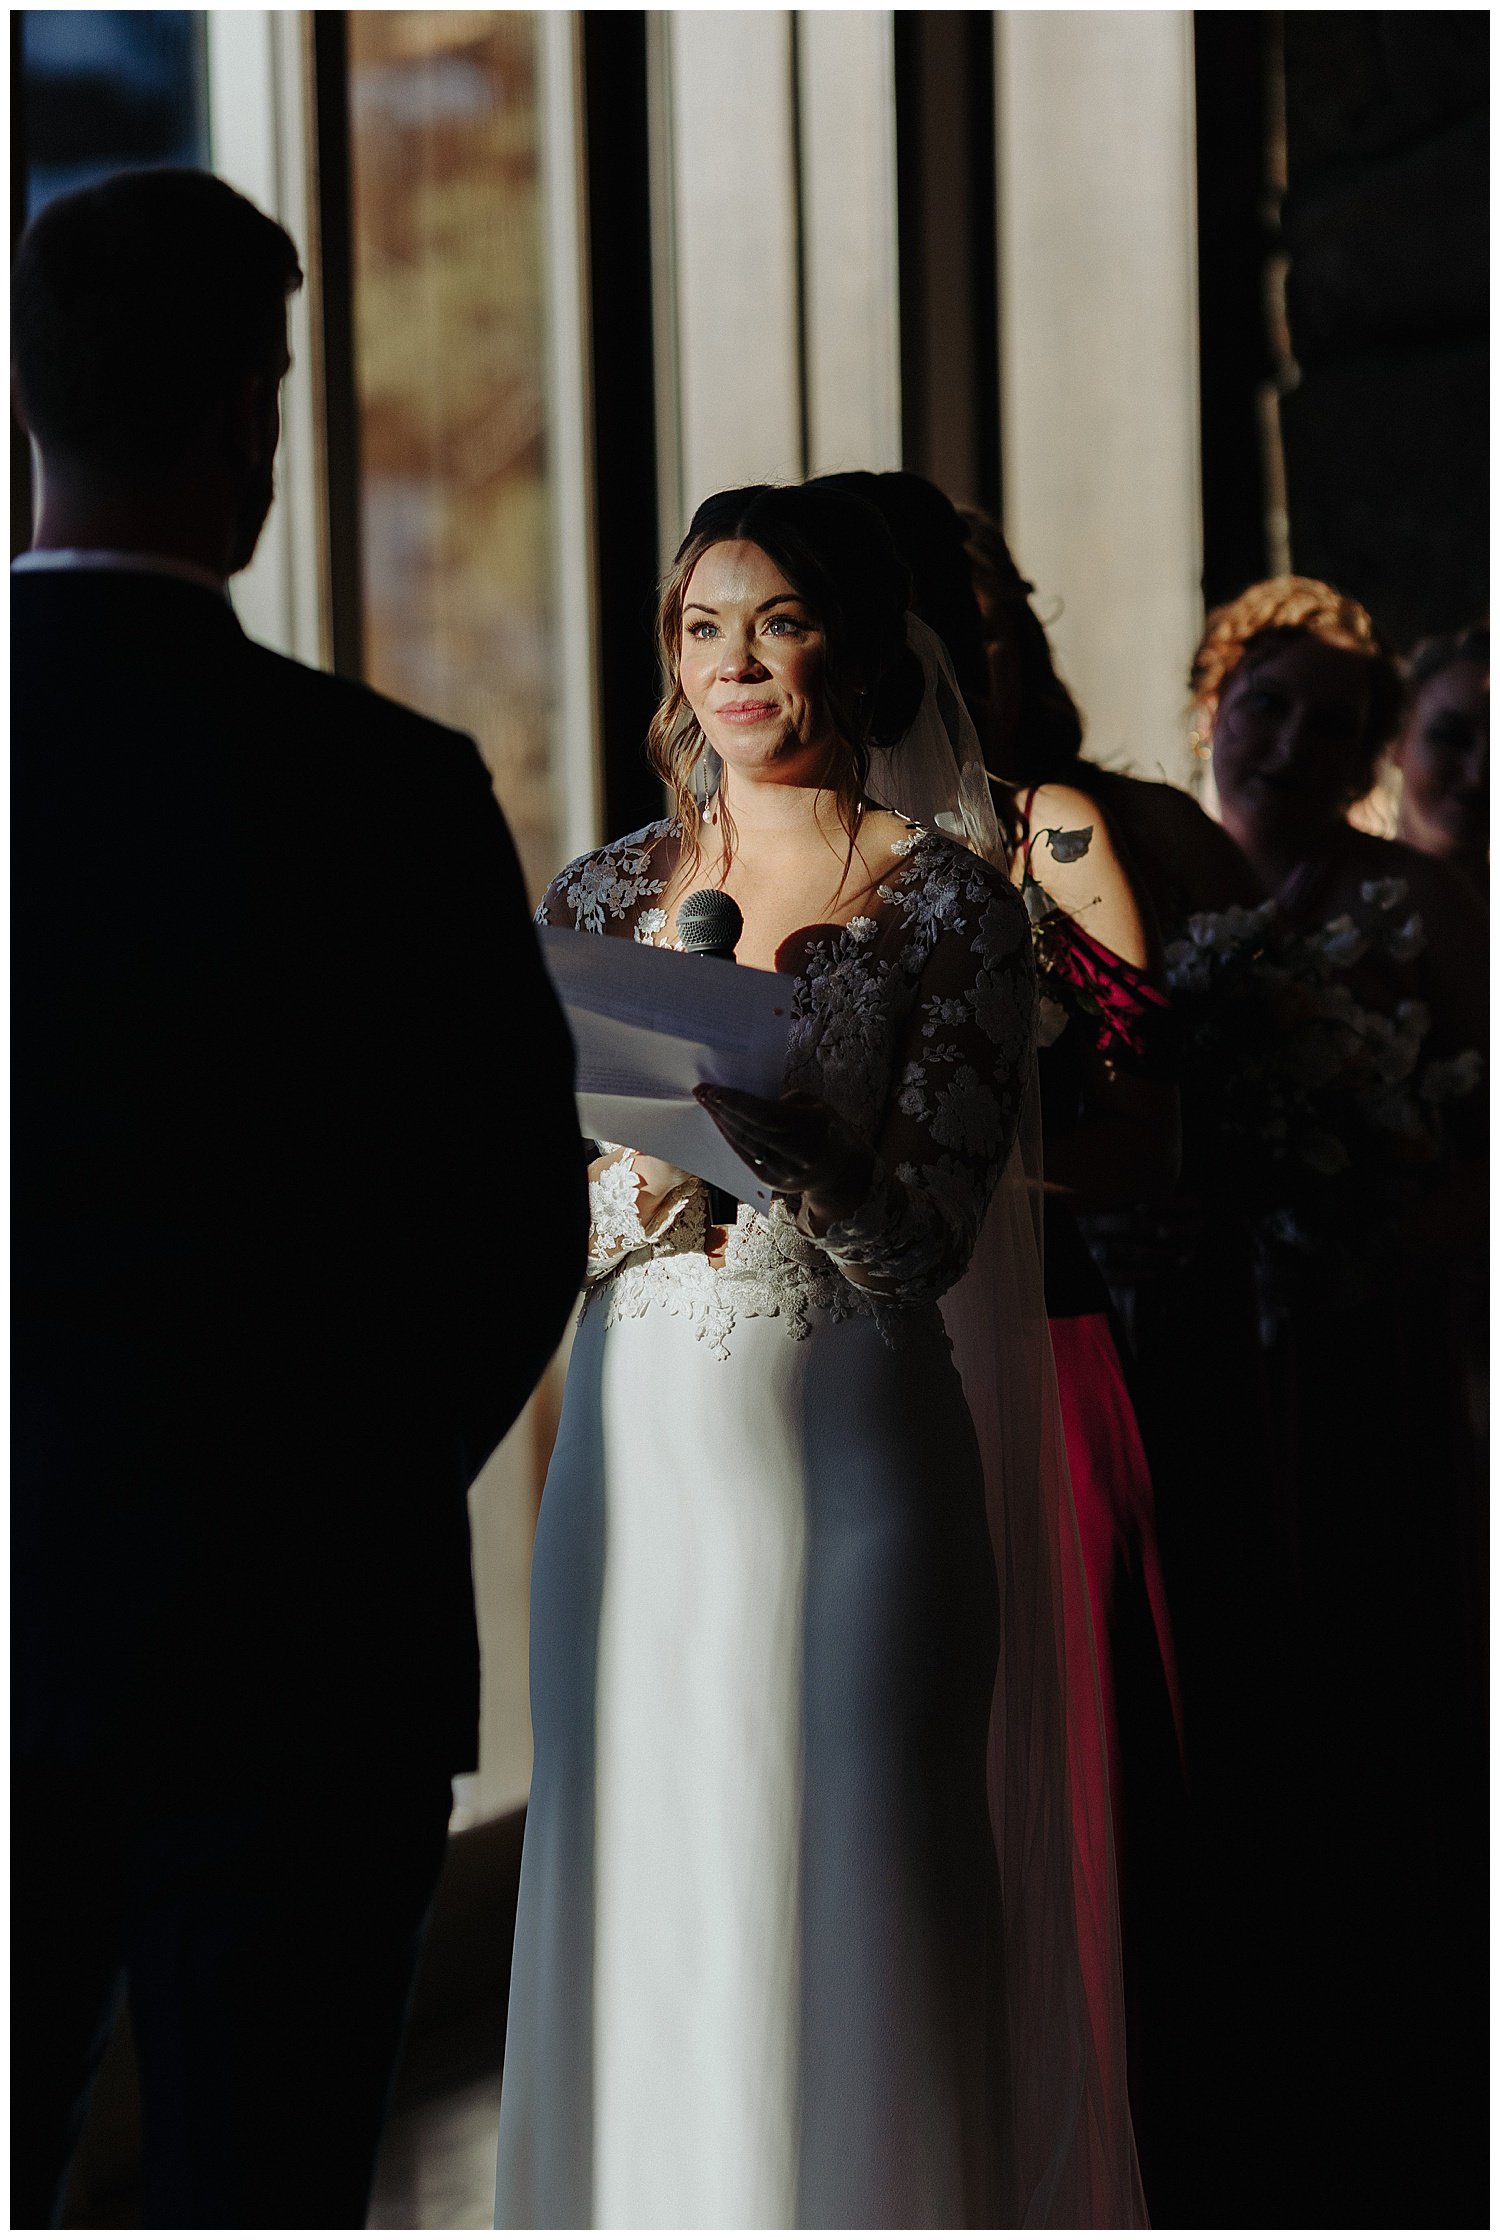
column 797, row 1145
column 657, row 1180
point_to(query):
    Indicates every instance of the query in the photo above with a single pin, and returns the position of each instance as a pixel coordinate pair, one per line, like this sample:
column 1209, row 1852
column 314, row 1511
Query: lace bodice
column 914, row 1021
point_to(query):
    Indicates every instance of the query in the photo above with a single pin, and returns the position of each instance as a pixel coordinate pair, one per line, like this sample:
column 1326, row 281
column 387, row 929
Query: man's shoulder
column 156, row 649
column 341, row 710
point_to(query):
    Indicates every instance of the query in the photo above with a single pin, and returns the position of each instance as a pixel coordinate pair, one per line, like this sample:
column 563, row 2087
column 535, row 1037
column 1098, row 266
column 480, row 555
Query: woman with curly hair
column 1296, row 699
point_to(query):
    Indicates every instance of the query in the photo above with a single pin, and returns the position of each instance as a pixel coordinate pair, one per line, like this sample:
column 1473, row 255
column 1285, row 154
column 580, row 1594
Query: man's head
column 148, row 343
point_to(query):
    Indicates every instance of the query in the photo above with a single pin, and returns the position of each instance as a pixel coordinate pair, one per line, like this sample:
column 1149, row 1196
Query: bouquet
column 1326, row 1111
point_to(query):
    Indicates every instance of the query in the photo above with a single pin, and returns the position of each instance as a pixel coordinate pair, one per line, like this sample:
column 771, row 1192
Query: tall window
column 449, row 342
column 450, row 345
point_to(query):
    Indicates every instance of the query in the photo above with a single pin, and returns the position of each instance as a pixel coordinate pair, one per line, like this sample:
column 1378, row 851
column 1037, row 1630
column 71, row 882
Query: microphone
column 709, row 924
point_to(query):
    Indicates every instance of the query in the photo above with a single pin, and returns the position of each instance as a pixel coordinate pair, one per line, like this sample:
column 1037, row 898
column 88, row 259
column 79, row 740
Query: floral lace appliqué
column 768, row 1270
column 607, row 884
column 917, row 1025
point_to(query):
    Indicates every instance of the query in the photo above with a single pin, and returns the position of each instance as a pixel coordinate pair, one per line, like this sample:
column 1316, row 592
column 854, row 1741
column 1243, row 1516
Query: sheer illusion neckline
column 904, row 854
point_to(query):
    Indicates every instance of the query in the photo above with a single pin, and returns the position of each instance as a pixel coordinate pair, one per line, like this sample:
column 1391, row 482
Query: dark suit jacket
column 299, row 1197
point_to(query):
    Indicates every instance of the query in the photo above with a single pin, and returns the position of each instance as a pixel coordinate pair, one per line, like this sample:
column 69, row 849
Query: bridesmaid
column 1177, row 1267
column 1111, row 1139
column 1298, row 698
column 1362, row 1849
column 1111, row 1134
column 1180, row 860
column 1442, row 755
column 1442, row 762
column 1110, row 1119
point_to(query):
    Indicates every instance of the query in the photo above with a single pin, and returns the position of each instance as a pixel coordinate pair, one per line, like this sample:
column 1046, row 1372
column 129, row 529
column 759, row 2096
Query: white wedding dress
column 758, row 1960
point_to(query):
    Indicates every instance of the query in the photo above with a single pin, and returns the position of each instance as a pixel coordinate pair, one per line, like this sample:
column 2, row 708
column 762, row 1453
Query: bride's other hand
column 658, row 1180
column 798, row 1146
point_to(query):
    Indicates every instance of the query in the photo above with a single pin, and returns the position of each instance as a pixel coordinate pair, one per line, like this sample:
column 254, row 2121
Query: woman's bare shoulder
column 1071, row 849
column 1060, row 808
column 1070, row 843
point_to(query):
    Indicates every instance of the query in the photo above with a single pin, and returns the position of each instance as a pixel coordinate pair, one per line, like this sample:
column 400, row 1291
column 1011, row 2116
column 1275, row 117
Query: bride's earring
column 707, row 770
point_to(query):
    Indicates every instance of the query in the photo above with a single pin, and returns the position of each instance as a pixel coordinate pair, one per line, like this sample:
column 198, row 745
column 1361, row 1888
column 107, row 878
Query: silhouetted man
column 299, row 1215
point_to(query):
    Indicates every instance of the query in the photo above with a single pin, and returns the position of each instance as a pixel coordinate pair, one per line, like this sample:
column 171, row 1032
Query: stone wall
column 1385, row 224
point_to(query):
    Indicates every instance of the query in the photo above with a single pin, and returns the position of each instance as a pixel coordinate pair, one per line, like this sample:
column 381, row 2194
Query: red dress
column 1114, row 1011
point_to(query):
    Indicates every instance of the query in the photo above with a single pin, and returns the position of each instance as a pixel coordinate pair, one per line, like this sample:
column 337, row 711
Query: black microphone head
column 709, row 924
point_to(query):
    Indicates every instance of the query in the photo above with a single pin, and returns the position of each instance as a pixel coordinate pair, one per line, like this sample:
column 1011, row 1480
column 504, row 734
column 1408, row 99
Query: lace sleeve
column 615, row 889
column 959, row 1081
column 616, row 1229
column 615, row 1226
column 614, row 892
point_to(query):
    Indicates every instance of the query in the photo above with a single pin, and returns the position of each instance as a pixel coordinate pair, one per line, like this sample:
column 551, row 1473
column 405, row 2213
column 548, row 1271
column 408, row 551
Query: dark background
column 1386, row 225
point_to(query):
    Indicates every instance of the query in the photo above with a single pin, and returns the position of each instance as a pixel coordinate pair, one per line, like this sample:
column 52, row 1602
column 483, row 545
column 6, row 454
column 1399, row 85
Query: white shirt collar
column 55, row 559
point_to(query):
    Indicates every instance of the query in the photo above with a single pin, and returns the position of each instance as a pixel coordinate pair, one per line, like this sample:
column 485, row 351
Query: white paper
column 649, row 1025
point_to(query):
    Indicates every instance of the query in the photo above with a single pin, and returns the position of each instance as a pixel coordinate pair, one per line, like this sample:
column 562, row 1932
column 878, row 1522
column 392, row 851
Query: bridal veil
column 1068, row 2147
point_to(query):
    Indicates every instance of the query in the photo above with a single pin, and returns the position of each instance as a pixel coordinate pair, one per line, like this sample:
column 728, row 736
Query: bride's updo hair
column 836, row 553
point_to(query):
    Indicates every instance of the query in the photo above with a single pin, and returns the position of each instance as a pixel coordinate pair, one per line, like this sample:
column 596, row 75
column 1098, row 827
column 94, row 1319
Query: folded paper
column 649, row 1025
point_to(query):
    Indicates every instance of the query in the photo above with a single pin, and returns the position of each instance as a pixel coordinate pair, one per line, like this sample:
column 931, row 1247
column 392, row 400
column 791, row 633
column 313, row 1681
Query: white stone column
column 775, row 251
column 725, row 221
column 574, row 711
column 259, row 103
column 846, row 82
column 1099, row 363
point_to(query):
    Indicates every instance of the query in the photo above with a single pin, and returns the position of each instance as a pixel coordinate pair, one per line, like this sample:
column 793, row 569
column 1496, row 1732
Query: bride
column 816, row 1911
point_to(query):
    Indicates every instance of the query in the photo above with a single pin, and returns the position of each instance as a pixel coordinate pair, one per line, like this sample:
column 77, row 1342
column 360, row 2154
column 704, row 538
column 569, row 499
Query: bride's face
column 752, row 666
